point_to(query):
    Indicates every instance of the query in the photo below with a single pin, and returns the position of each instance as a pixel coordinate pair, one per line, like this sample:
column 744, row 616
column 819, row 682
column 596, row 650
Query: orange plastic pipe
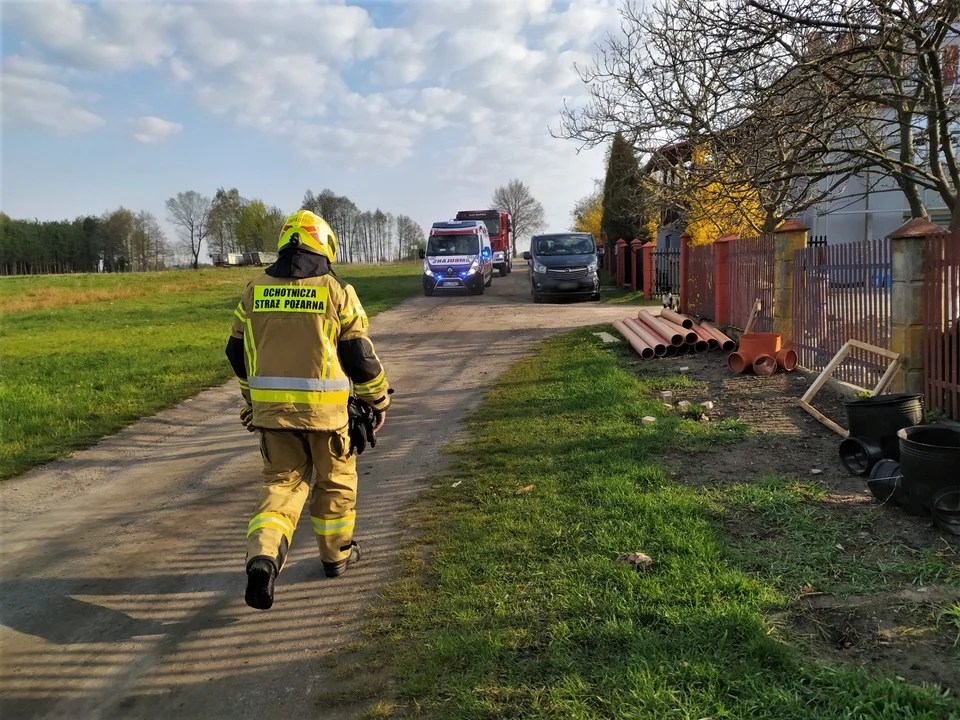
column 671, row 338
column 764, row 365
column 681, row 320
column 699, row 346
column 712, row 342
column 726, row 344
column 644, row 350
column 654, row 341
column 787, row 359
column 738, row 363
column 689, row 336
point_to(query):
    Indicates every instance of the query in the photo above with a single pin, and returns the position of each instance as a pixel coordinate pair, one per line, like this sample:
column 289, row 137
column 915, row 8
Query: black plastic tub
column 930, row 460
column 882, row 416
column 860, row 454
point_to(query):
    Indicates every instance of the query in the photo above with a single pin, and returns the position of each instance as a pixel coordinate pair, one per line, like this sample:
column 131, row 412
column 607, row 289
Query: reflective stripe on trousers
column 271, row 520
column 334, row 526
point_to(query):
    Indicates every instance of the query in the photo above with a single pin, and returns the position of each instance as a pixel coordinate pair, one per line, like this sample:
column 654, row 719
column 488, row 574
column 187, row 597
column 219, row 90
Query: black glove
column 363, row 419
column 246, row 418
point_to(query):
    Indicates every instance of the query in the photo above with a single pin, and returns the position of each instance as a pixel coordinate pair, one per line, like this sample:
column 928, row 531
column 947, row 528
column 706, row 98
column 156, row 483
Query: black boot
column 261, row 572
column 336, row 569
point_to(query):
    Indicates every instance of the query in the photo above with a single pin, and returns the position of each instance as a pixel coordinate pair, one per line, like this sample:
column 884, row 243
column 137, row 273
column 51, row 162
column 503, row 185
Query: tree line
column 756, row 110
column 365, row 235
column 124, row 241
column 117, row 241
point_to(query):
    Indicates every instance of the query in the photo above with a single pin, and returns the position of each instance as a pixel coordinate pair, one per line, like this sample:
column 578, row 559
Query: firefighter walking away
column 299, row 344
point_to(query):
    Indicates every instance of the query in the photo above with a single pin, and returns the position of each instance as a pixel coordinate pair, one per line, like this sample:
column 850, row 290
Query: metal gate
column 700, row 298
column 843, row 292
column 751, row 278
column 666, row 271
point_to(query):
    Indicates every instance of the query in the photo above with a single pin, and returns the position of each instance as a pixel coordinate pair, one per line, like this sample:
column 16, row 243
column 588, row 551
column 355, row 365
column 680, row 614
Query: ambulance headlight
column 474, row 267
column 426, row 269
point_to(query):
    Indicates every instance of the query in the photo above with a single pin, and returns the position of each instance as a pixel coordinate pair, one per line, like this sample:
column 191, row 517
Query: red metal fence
column 941, row 312
column 700, row 292
column 751, row 277
column 840, row 293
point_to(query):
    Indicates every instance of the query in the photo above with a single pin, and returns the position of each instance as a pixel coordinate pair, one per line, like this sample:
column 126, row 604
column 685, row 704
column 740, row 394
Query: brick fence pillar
column 721, row 279
column 907, row 249
column 684, row 270
column 791, row 235
column 648, row 269
column 621, row 261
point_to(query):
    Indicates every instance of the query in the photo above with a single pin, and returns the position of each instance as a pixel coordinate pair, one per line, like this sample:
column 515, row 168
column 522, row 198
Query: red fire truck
column 500, row 227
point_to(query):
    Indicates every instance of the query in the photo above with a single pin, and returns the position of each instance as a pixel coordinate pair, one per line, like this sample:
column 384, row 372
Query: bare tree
column 189, row 212
column 410, row 237
column 147, row 243
column 223, row 219
column 788, row 98
column 526, row 211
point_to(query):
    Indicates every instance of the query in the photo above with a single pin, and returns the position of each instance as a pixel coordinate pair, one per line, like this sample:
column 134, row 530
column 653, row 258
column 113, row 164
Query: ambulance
column 458, row 257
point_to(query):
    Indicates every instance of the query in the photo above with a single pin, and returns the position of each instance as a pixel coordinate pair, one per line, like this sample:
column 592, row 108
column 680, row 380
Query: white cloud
column 112, row 37
column 491, row 74
column 151, row 129
column 38, row 101
column 180, row 70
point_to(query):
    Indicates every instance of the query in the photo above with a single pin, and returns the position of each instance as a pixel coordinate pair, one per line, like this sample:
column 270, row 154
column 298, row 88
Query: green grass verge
column 522, row 611
column 614, row 294
column 72, row 373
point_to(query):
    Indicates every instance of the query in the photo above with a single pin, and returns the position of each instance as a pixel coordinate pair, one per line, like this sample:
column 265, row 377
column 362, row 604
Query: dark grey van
column 563, row 264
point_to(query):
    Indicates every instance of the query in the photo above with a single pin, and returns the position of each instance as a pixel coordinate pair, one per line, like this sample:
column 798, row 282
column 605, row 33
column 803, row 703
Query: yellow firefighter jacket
column 305, row 343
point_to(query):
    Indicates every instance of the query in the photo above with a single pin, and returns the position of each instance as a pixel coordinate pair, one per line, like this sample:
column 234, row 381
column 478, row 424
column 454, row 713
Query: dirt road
column 121, row 567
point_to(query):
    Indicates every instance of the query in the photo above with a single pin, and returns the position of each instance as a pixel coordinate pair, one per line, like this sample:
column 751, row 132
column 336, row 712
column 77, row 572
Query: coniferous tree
column 622, row 214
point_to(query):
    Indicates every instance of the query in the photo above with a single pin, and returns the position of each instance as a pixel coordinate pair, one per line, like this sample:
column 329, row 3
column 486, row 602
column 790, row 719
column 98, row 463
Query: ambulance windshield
column 444, row 245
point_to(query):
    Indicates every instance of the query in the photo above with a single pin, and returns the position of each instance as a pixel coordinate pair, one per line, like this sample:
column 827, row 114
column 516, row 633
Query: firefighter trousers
column 289, row 461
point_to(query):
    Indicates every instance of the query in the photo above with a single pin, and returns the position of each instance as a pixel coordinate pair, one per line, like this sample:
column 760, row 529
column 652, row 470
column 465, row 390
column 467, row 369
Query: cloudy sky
column 412, row 106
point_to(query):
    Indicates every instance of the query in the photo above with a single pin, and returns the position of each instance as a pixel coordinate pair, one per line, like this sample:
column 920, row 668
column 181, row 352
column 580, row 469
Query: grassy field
column 84, row 355
column 512, row 604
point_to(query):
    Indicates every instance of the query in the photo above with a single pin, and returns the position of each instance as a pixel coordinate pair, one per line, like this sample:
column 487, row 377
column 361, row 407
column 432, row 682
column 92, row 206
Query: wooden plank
column 824, row 419
column 888, row 376
column 753, row 316
column 874, row 348
column 823, row 377
column 826, row 373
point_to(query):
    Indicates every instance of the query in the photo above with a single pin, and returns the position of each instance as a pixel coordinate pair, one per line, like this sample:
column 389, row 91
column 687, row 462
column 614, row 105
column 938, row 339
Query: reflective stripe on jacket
column 291, row 330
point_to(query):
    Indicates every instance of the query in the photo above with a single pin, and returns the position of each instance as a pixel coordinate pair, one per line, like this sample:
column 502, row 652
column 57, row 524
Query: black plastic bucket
column 930, row 460
column 945, row 509
column 884, row 481
column 882, row 416
column 860, row 454
column 888, row 485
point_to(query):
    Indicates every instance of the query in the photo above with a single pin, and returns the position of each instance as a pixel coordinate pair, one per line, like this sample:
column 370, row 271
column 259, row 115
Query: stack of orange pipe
column 670, row 334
